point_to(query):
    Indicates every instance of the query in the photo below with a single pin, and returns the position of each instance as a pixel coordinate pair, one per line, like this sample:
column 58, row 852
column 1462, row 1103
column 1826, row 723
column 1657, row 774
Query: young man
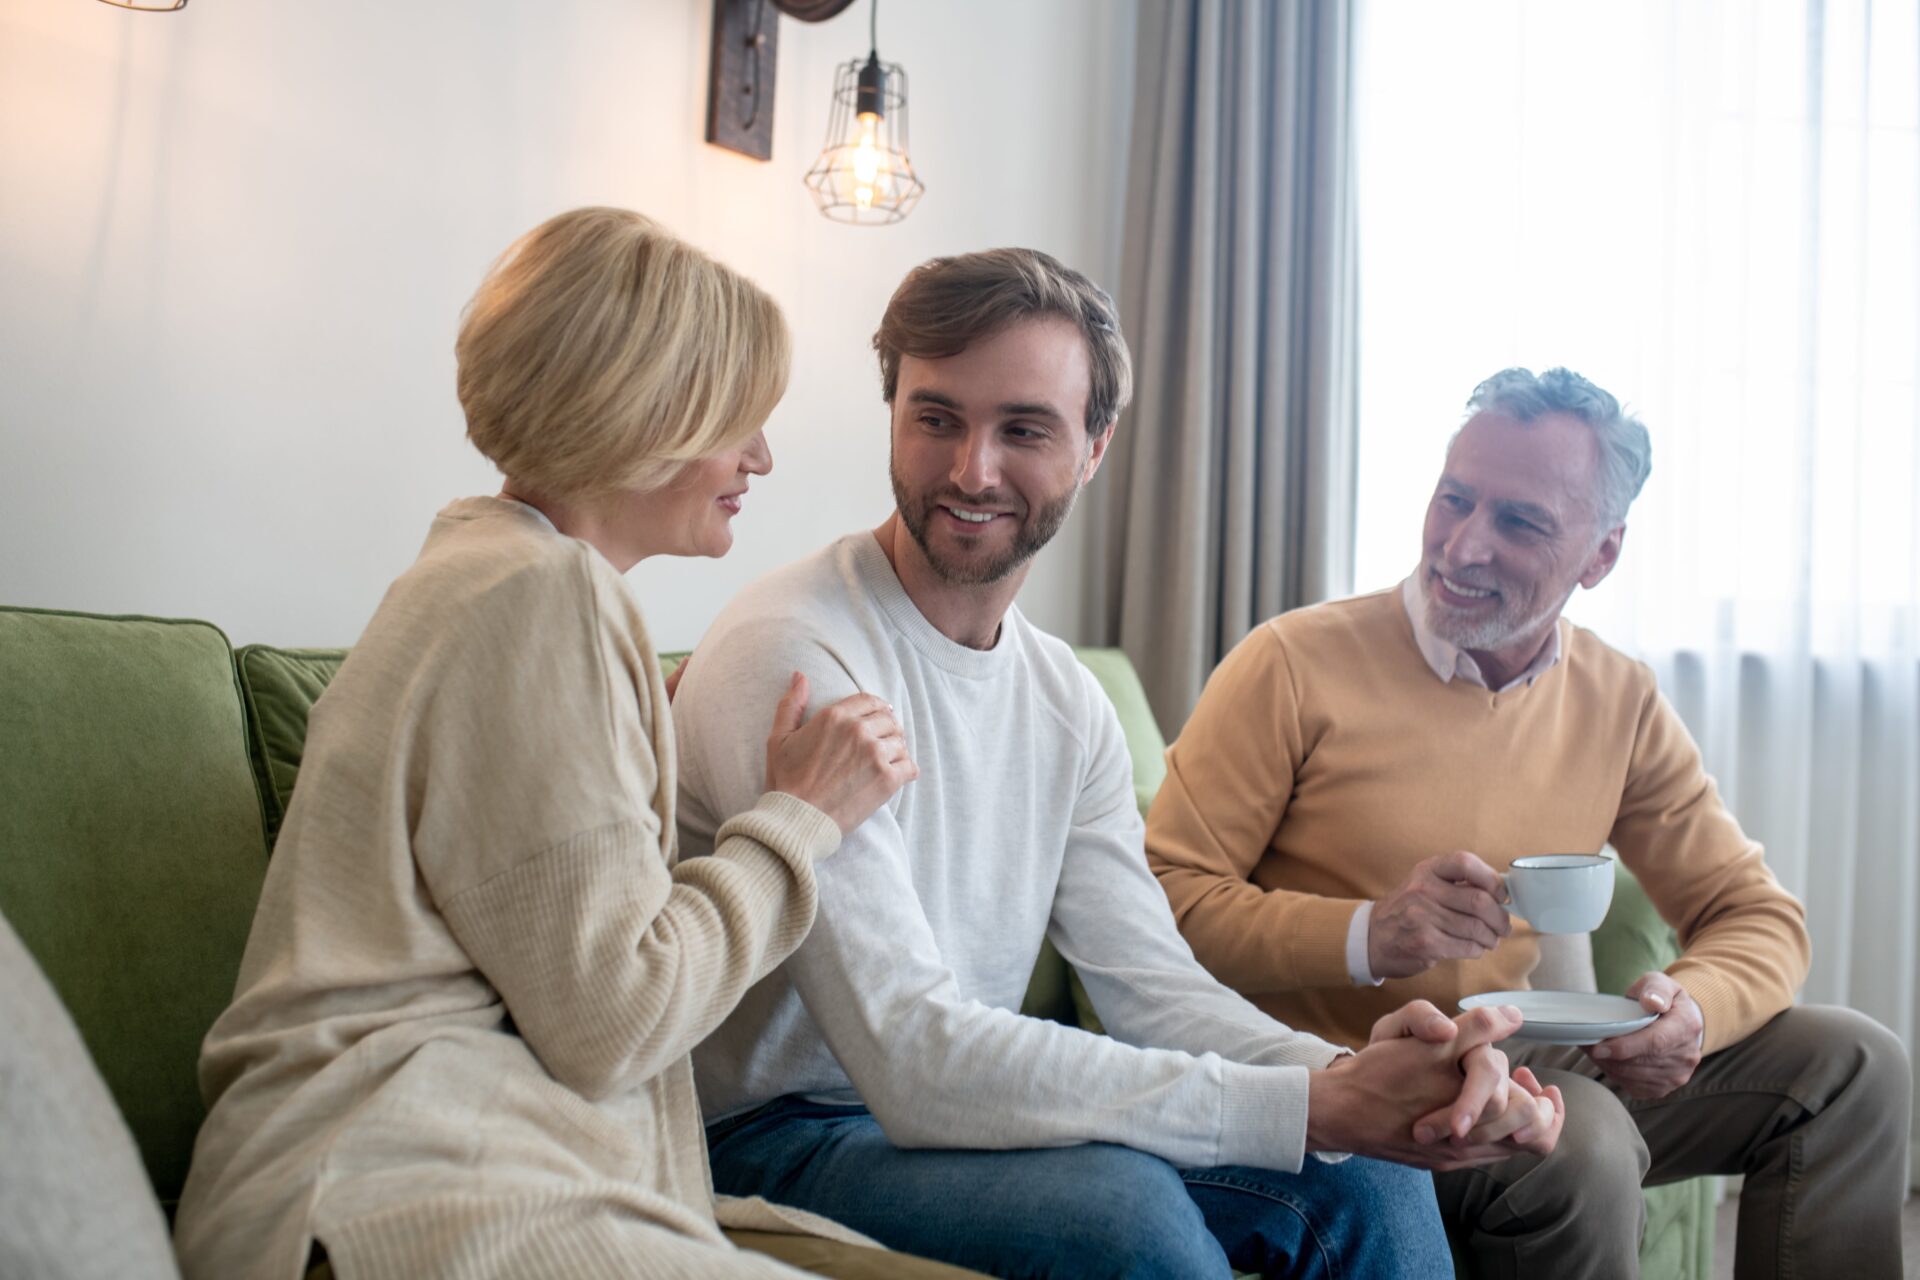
column 1356, row 777
column 884, row 1077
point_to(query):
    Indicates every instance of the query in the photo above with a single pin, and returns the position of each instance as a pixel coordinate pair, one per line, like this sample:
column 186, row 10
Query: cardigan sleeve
column 1229, row 778
column 538, row 835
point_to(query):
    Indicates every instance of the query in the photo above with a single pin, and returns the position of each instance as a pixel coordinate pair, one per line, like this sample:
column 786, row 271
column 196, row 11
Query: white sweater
column 1022, row 826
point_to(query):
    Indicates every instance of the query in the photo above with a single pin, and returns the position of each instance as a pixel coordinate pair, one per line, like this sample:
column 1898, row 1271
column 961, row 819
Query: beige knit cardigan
column 459, row 1041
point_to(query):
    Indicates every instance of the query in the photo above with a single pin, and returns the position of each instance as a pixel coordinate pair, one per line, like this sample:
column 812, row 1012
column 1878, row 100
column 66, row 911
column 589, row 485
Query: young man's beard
column 1035, row 531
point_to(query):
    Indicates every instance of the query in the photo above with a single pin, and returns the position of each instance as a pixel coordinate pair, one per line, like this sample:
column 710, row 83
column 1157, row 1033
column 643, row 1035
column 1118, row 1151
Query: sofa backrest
column 131, row 847
column 279, row 687
column 144, row 769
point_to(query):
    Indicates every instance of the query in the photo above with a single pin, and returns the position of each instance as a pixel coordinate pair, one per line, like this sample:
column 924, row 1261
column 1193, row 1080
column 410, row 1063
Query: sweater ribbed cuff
column 1263, row 1116
column 786, row 824
column 1720, row 1004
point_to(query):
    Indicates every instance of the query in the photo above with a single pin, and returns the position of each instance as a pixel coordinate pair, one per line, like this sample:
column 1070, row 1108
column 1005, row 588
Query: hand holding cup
column 1449, row 908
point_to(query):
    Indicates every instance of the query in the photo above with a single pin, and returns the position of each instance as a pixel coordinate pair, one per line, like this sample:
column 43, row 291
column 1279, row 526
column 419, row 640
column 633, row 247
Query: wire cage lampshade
column 863, row 174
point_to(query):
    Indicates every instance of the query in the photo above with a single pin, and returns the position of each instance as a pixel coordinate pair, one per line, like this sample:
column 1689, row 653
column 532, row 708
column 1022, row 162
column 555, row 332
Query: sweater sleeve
column 1110, row 921
column 1229, row 778
column 1744, row 940
column 936, row 1067
column 538, row 837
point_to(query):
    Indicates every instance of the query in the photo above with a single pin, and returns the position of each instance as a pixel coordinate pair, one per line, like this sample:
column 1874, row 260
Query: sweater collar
column 876, row 572
column 1450, row 662
column 498, row 504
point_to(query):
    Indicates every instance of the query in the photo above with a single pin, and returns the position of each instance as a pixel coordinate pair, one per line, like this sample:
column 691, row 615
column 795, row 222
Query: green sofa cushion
column 131, row 846
column 281, row 686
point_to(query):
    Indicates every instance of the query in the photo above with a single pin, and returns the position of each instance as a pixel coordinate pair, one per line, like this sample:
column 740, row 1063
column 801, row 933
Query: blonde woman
column 458, row 1045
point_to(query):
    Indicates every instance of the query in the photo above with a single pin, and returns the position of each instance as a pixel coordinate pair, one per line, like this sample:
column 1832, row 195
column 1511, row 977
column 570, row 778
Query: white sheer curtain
column 1712, row 209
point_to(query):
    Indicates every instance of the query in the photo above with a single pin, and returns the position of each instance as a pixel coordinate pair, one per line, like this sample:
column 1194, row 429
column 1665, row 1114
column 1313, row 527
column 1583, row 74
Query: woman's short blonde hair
column 602, row 352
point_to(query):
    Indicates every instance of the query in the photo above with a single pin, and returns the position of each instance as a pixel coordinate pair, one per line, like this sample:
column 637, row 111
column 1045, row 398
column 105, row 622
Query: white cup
column 1562, row 892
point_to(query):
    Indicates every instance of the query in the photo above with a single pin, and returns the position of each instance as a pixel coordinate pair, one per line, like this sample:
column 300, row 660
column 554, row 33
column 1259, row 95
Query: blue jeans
column 1097, row 1210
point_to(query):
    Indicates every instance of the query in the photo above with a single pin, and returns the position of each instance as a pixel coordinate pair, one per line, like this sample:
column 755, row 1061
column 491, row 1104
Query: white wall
column 234, row 242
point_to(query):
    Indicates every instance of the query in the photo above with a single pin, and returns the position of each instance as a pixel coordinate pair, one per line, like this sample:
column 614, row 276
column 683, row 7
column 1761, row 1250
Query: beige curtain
column 1229, row 494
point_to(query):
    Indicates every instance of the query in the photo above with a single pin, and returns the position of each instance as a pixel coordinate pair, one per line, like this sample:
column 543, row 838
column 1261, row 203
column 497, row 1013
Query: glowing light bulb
column 866, row 154
column 867, row 165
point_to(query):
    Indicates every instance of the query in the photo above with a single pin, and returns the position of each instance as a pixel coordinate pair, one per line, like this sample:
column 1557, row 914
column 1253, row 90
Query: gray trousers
column 1813, row 1108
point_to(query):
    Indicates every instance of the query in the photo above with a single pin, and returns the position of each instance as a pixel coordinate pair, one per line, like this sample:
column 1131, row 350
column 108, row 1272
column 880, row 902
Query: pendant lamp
column 863, row 174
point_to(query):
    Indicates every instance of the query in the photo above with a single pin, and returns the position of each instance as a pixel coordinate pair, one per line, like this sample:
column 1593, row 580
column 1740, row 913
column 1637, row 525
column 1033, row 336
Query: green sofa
column 144, row 769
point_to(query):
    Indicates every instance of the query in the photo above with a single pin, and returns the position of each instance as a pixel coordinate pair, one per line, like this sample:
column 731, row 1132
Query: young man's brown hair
column 946, row 304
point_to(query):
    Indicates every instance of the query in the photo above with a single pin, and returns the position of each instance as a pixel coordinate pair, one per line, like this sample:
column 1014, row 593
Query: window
column 1710, row 209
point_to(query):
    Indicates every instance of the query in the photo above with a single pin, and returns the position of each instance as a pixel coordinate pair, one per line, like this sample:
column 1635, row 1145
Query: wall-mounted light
column 746, row 48
column 864, row 175
column 155, row 6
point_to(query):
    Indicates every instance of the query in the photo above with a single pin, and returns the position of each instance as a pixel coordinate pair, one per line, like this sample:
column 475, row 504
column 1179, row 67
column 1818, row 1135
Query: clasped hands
column 1432, row 1092
column 1453, row 908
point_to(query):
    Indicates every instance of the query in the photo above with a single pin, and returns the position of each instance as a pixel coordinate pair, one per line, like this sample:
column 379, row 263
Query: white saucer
column 1567, row 1017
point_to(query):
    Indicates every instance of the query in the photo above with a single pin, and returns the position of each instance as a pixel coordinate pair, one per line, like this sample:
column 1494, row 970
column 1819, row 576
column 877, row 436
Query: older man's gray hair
column 1626, row 453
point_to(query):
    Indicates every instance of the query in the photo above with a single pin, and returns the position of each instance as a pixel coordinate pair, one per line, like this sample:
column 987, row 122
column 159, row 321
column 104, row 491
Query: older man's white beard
column 1505, row 627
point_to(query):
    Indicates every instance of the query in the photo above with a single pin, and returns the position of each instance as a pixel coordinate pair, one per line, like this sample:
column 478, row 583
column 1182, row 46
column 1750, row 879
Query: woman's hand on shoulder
column 846, row 761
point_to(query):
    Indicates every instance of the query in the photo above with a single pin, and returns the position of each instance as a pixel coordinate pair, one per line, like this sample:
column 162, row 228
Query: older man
column 1340, row 808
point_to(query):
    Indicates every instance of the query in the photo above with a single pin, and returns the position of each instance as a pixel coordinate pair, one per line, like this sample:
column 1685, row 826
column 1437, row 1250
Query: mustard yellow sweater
column 1325, row 759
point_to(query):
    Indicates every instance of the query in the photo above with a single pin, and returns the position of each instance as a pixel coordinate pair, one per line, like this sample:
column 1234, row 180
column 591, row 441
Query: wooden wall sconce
column 746, row 45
